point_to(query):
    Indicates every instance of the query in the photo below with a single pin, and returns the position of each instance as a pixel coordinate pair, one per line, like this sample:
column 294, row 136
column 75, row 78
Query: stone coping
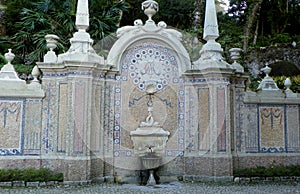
column 266, row 179
column 108, row 179
column 186, row 178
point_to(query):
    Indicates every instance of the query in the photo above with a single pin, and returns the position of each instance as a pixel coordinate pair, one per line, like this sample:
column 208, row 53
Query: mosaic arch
column 149, row 62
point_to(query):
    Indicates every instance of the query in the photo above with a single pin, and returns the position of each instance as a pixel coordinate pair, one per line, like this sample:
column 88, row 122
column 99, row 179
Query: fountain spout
column 149, row 131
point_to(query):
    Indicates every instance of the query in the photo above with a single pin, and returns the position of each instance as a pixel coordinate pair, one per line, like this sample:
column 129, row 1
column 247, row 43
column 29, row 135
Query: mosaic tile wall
column 146, row 63
column 96, row 144
column 204, row 114
column 181, row 105
column 33, row 126
column 51, row 116
column 20, row 128
column 237, row 117
column 12, row 126
column 73, row 113
column 62, row 117
column 271, row 128
column 221, row 121
column 292, row 124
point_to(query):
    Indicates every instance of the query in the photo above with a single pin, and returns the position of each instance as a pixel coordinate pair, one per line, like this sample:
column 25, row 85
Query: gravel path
column 171, row 188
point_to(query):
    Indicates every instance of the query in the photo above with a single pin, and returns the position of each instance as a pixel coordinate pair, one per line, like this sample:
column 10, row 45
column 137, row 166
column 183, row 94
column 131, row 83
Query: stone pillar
column 73, row 108
column 212, row 79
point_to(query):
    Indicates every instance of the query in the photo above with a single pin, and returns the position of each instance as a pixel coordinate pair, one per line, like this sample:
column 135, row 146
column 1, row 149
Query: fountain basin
column 149, row 136
column 150, row 162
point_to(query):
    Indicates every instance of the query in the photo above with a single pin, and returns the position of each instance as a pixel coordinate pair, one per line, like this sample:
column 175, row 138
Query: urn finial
column 150, row 8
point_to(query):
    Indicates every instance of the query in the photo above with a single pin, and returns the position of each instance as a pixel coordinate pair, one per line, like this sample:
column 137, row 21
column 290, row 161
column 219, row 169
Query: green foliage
column 254, row 83
column 3, row 61
column 106, row 21
column 30, row 21
column 230, row 33
column 29, row 175
column 295, row 80
column 270, row 171
column 279, row 80
column 273, row 22
column 19, row 67
column 13, row 9
column 176, row 13
column 281, row 38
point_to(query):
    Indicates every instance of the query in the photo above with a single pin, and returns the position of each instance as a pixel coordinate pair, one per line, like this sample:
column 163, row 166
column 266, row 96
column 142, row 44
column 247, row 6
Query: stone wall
column 269, row 133
column 79, row 119
column 287, row 55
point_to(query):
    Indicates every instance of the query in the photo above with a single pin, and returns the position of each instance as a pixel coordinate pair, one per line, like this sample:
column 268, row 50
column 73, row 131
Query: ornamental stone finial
column 9, row 57
column 82, row 15
column 51, row 40
column 235, row 56
column 8, row 71
column 150, row 8
column 288, row 92
column 267, row 83
column 287, row 83
column 211, row 31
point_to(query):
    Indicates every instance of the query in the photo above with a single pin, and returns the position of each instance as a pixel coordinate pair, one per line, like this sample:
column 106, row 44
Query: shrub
column 270, row 171
column 29, row 175
column 2, row 60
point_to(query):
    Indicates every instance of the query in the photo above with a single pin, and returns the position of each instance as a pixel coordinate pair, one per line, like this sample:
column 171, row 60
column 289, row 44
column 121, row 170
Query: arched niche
column 162, row 37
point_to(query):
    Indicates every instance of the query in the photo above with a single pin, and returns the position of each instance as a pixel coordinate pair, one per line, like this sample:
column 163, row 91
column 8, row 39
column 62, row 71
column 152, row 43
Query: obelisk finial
column 211, row 31
column 82, row 15
column 211, row 49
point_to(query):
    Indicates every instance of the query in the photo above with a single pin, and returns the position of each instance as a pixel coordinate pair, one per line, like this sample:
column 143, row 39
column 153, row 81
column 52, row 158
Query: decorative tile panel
column 293, row 128
column 251, row 126
column 110, row 124
column 191, row 105
column 33, row 125
column 11, row 127
column 50, row 116
column 221, row 122
column 149, row 63
column 97, row 120
column 238, row 114
column 62, row 118
column 271, row 129
column 79, row 122
column 204, row 119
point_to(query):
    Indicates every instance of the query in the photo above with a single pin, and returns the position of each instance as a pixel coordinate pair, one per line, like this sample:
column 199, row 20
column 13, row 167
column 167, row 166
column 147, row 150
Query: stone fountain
column 149, row 139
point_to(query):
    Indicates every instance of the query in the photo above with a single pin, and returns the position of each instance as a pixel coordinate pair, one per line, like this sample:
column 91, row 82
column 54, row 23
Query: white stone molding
column 12, row 86
column 129, row 35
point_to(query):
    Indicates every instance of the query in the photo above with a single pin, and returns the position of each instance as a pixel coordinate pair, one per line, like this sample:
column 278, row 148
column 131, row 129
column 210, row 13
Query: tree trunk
column 2, row 19
column 250, row 22
column 255, row 33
